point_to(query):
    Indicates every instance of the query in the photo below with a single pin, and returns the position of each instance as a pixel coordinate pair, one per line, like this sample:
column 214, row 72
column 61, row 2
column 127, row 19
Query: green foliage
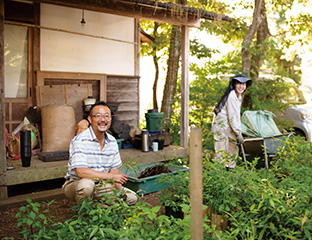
column 30, row 220
column 176, row 190
column 161, row 39
column 270, row 203
column 268, row 95
column 200, row 50
column 92, row 221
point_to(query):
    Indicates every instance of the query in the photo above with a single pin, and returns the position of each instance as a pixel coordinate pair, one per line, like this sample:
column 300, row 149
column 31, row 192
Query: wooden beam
column 2, row 94
column 185, row 48
column 133, row 9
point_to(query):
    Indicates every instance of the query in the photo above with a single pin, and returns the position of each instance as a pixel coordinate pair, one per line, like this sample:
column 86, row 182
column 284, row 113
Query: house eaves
column 167, row 12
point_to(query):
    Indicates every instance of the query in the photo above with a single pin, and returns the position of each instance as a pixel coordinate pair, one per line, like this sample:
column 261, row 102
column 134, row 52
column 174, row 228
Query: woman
column 227, row 125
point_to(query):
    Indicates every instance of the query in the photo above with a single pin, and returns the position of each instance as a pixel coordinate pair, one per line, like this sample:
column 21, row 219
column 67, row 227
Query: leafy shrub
column 270, row 203
column 176, row 190
column 92, row 221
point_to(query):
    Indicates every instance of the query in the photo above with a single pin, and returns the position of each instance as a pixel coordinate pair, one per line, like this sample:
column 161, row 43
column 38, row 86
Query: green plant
column 30, row 220
column 222, row 190
column 270, row 203
column 176, row 190
column 119, row 221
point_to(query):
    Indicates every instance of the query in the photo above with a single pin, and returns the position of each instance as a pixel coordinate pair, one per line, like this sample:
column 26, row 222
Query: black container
column 152, row 111
column 137, row 142
column 160, row 143
column 25, row 137
column 169, row 211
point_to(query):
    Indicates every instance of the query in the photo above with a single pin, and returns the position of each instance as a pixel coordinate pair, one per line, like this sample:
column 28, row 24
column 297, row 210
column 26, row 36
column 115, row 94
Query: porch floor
column 41, row 171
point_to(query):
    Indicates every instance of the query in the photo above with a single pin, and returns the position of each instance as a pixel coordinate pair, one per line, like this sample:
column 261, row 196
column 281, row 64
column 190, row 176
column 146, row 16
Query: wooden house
column 61, row 51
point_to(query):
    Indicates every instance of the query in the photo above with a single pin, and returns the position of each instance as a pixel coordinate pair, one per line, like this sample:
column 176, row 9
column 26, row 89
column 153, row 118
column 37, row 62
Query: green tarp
column 259, row 124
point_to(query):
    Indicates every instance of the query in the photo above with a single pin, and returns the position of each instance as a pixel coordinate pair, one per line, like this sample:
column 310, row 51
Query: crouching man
column 94, row 156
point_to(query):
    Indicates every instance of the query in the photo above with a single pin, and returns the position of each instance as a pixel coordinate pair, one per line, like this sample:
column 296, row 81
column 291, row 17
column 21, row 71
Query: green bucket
column 119, row 142
column 154, row 121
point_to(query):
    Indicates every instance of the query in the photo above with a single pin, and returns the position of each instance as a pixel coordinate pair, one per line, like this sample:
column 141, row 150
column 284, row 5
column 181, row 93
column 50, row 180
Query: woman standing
column 227, row 124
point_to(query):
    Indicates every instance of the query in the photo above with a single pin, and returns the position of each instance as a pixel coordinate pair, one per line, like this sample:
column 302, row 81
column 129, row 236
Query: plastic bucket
column 154, row 121
column 119, row 143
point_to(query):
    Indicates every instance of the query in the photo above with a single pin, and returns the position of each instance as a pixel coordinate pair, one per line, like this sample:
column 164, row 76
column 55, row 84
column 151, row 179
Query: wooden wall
column 118, row 91
column 123, row 91
column 15, row 111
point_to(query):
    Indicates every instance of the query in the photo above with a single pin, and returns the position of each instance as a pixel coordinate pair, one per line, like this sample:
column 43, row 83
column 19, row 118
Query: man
column 93, row 157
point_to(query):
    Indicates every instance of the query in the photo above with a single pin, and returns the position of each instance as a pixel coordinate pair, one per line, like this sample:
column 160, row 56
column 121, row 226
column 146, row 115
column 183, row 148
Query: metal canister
column 146, row 141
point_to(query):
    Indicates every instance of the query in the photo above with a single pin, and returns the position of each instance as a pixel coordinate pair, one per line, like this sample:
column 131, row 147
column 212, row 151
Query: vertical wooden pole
column 196, row 184
column 3, row 188
column 137, row 41
column 35, row 52
column 137, row 46
column 185, row 48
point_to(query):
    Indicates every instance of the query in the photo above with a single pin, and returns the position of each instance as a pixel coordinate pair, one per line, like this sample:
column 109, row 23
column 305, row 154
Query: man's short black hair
column 100, row 103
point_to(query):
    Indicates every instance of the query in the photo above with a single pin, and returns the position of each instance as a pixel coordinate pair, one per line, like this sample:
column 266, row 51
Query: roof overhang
column 144, row 9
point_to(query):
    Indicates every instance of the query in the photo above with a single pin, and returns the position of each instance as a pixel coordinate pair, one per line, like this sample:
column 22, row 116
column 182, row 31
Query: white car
column 300, row 113
column 301, row 116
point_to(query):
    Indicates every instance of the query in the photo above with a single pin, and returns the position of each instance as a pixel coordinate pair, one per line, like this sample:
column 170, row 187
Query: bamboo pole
column 67, row 31
column 196, row 184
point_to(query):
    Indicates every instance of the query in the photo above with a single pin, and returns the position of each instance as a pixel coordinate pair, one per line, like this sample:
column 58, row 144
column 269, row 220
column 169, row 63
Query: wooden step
column 20, row 200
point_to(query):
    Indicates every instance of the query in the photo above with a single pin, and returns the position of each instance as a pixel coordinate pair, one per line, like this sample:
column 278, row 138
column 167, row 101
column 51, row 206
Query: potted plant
column 175, row 193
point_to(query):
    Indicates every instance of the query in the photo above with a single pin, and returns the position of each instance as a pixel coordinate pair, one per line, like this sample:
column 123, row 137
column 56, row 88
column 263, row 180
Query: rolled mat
column 58, row 127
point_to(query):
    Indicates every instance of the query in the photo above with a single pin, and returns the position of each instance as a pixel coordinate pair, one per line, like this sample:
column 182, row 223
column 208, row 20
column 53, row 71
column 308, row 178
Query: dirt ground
column 60, row 209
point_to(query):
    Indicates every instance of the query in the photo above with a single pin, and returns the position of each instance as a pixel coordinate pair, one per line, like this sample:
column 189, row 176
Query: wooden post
column 137, row 47
column 35, row 47
column 3, row 189
column 185, row 48
column 196, row 184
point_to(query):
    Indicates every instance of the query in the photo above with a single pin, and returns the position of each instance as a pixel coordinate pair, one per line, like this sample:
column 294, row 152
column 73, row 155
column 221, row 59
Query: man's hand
column 120, row 178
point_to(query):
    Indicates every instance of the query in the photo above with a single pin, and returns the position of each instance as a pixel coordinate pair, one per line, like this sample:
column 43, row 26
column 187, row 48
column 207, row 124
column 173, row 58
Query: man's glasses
column 98, row 116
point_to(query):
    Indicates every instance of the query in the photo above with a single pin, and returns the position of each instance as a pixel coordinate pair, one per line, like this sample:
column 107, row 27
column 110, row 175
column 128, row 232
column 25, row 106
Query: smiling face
column 239, row 87
column 100, row 119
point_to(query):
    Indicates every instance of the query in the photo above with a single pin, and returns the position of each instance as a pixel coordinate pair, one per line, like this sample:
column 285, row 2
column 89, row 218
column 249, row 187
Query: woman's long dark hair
column 224, row 98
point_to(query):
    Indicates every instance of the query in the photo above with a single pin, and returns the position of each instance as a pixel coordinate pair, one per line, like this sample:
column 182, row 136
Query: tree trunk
column 257, row 19
column 263, row 34
column 155, row 59
column 172, row 74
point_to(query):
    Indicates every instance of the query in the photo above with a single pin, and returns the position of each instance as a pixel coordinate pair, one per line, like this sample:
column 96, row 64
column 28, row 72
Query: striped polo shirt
column 85, row 151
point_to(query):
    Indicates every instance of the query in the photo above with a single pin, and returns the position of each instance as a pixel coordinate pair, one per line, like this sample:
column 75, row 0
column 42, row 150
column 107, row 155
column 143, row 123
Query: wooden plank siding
column 15, row 111
column 123, row 91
